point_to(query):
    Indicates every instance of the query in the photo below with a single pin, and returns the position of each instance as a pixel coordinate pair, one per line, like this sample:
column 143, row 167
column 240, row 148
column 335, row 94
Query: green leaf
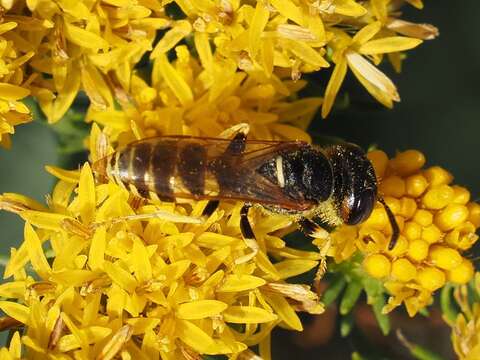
column 449, row 311
column 373, row 287
column 383, row 320
column 358, row 356
column 346, row 324
column 352, row 293
column 334, row 289
column 424, row 312
column 417, row 351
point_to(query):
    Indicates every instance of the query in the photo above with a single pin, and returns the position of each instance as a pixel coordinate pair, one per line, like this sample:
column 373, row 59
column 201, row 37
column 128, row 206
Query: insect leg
column 234, row 130
column 237, row 145
column 212, row 205
column 312, row 229
column 248, row 235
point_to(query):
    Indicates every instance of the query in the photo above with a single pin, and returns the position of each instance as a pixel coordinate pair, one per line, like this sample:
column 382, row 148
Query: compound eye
column 359, row 207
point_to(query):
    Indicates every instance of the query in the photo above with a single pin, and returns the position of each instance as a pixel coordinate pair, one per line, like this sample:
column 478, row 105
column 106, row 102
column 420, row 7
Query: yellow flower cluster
column 66, row 46
column 204, row 97
column 142, row 280
column 466, row 328
column 13, row 85
column 437, row 224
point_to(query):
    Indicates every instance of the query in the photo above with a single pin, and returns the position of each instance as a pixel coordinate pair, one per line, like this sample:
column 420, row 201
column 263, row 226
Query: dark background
column 439, row 114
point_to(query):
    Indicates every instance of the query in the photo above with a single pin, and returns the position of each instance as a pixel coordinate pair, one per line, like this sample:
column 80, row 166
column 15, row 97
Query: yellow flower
column 437, row 224
column 83, row 45
column 128, row 278
column 12, row 84
column 203, row 97
column 350, row 52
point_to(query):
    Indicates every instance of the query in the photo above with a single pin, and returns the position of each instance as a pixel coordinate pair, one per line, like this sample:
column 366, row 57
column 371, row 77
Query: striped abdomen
column 267, row 172
column 166, row 167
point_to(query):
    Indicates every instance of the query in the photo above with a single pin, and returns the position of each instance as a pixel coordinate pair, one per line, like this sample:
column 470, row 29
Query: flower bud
column 431, row 278
column 377, row 265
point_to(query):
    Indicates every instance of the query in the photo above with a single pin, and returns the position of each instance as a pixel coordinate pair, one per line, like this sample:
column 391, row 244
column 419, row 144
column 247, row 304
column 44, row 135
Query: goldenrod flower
column 437, row 222
column 146, row 279
column 83, row 45
column 203, row 97
column 12, row 84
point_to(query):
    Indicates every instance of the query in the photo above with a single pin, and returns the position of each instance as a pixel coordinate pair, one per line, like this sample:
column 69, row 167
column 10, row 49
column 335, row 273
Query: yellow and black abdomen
column 166, row 167
column 281, row 174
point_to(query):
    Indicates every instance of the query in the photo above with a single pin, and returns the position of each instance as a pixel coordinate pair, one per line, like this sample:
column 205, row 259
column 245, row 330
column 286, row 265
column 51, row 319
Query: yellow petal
column 247, row 315
column 84, row 38
column 5, row 27
column 349, row 8
column 17, row 202
column 416, row 3
column 141, row 262
column 388, row 44
column 194, row 336
column 75, row 277
column 258, row 23
column 116, row 343
column 86, row 194
column 44, row 220
column 214, row 240
column 174, row 271
column 367, row 32
column 123, row 278
column 35, row 252
column 289, row 268
column 13, row 289
column 141, row 325
column 289, row 10
column 379, row 8
column 305, row 52
column 200, row 309
column 284, row 310
column 264, row 263
column 15, row 346
column 16, row 311
column 333, row 86
column 171, row 38
column 375, row 81
column 202, row 45
column 12, row 92
column 240, row 282
column 96, row 87
column 174, row 80
column 93, row 334
column 64, row 99
column 96, row 255
column 70, row 176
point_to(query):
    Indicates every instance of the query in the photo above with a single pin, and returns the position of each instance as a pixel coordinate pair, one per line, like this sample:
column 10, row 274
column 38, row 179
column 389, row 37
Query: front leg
column 312, row 229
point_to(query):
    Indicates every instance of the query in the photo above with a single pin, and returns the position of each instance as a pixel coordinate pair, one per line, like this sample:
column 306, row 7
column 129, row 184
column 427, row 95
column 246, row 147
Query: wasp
column 336, row 184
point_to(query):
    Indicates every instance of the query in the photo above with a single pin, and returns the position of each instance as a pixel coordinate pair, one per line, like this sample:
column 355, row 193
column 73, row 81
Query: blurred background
column 439, row 114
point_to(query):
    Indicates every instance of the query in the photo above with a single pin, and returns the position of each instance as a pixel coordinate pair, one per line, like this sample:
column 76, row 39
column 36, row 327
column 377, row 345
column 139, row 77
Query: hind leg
column 248, row 236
